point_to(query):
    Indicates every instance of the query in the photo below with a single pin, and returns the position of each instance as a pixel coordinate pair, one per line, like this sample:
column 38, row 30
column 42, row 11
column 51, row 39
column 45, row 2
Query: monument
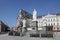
column 34, row 32
column 34, row 15
column 24, row 26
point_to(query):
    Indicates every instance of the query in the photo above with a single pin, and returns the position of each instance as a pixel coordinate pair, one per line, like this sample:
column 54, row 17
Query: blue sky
column 9, row 8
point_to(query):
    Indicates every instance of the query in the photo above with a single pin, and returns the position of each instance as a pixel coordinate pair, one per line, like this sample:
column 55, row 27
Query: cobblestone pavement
column 6, row 37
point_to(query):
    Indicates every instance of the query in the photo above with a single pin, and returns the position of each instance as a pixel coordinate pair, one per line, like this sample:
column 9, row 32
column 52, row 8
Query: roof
column 57, row 14
column 28, row 15
column 25, row 14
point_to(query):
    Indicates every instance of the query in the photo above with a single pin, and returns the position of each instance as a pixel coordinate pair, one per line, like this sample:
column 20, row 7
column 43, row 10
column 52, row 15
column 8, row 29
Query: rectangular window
column 54, row 23
column 58, row 28
column 51, row 24
column 51, row 19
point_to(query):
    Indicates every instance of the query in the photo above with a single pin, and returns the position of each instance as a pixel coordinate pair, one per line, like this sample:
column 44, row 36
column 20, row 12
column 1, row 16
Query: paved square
column 6, row 37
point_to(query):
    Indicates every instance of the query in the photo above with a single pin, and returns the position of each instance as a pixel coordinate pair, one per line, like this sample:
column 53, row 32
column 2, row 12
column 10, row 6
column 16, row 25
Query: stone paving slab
column 6, row 37
column 23, row 38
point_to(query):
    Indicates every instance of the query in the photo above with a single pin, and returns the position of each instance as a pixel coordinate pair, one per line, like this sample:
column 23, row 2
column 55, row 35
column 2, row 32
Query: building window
column 54, row 23
column 48, row 19
column 48, row 24
column 54, row 27
column 57, row 28
column 51, row 19
column 51, row 24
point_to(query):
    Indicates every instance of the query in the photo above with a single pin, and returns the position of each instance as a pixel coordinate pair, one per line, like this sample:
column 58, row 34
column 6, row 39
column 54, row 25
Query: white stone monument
column 34, row 31
column 34, row 21
column 34, row 15
column 24, row 25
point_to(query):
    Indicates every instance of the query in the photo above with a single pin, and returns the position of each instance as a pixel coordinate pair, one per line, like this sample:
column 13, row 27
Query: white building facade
column 50, row 20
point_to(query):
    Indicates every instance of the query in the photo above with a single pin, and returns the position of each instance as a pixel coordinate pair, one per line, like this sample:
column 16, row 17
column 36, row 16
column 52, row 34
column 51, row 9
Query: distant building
column 3, row 27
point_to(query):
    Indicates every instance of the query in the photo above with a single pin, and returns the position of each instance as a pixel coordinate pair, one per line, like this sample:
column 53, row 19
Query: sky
column 9, row 8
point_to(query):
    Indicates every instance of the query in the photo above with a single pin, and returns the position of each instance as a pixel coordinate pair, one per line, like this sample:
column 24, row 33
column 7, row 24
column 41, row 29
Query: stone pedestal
column 35, row 26
column 34, row 32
